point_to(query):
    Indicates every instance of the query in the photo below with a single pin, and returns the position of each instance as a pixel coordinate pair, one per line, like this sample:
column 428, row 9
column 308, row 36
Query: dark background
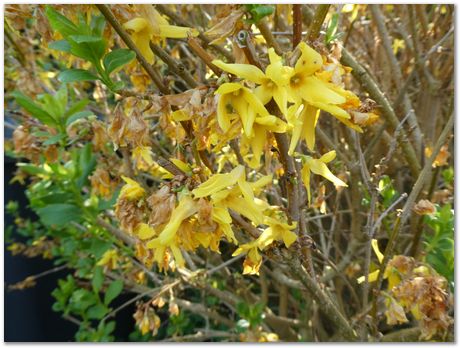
column 28, row 314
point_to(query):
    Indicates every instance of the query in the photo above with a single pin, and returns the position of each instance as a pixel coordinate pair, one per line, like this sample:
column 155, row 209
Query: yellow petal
column 306, row 181
column 250, row 210
column 257, row 143
column 334, row 110
column 372, row 277
column 280, row 95
column 310, row 118
column 264, row 93
column 229, row 87
column 223, row 116
column 180, row 115
column 132, row 190
column 185, row 209
column 244, row 71
column 175, row 32
column 319, row 168
column 255, row 103
column 144, row 231
column 180, row 262
column 310, row 61
column 328, row 157
column 218, row 182
column 313, row 90
column 136, row 24
column 377, row 252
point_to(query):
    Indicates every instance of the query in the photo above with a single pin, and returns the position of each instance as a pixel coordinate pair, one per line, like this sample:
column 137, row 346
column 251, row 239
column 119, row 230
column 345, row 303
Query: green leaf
column 85, row 38
column 77, row 116
column 54, row 139
column 99, row 247
column 259, row 11
column 117, row 58
column 97, row 312
column 59, row 214
column 61, row 97
column 113, row 291
column 61, row 45
column 332, row 28
column 74, row 75
column 78, row 106
column 35, row 110
column 98, row 279
column 60, row 23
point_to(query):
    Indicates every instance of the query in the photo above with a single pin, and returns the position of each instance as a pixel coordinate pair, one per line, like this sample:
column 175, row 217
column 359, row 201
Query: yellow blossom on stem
column 318, row 167
column 253, row 259
column 303, row 121
column 238, row 102
column 272, row 83
column 152, row 26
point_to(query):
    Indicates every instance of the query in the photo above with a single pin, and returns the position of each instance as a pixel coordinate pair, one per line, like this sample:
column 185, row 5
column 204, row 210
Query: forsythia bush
column 179, row 153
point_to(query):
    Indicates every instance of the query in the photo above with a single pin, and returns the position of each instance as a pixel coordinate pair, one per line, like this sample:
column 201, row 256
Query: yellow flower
column 261, row 128
column 253, row 259
column 304, row 85
column 275, row 232
column 318, row 166
column 152, row 26
column 218, row 182
column 237, row 101
column 186, row 208
column 109, row 259
column 131, row 190
column 303, row 121
column 272, row 83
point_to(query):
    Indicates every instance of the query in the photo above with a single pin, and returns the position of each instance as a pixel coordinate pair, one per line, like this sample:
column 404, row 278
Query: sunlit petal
column 244, row 71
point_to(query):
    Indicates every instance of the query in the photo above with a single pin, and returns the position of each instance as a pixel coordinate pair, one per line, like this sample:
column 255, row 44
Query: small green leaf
column 61, row 45
column 77, row 116
column 118, row 58
column 97, row 311
column 60, row 23
column 35, row 110
column 113, row 291
column 74, row 75
column 78, row 106
column 98, row 279
column 54, row 139
column 59, row 214
column 85, row 38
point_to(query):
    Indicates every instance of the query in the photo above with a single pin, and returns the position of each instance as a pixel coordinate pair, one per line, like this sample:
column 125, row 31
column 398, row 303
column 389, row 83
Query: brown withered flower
column 161, row 204
column 101, row 183
column 424, row 207
column 26, row 144
column 132, row 129
column 129, row 214
column 428, row 300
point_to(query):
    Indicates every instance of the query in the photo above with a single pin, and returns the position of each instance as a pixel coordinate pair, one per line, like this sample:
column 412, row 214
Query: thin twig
column 156, row 78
